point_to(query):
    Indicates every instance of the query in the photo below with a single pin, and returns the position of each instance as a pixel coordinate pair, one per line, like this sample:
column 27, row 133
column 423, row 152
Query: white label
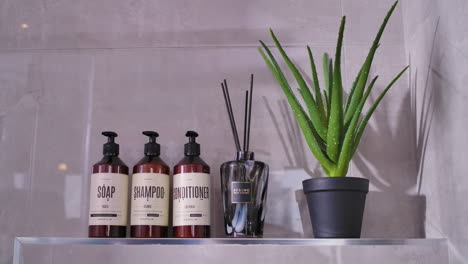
column 191, row 199
column 108, row 199
column 150, row 199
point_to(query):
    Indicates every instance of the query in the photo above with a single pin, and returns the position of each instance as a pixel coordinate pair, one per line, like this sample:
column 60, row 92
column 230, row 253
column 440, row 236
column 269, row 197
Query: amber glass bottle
column 150, row 193
column 191, row 193
column 108, row 193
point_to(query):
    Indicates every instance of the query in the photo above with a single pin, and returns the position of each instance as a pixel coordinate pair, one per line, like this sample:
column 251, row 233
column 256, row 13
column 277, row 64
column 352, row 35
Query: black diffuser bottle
column 244, row 181
column 244, row 184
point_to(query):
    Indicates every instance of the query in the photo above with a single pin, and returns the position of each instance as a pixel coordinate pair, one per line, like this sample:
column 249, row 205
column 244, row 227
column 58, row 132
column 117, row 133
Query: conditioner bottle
column 150, row 193
column 108, row 193
column 191, row 193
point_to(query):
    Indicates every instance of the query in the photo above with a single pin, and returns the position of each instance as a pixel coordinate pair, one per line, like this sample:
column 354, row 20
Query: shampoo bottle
column 150, row 193
column 191, row 193
column 108, row 193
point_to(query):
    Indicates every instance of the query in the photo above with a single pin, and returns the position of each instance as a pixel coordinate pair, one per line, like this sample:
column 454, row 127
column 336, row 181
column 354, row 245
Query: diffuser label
column 241, row 192
column 191, row 199
column 150, row 199
column 108, row 199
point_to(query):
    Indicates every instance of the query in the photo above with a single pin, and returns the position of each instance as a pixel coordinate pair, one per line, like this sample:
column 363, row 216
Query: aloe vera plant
column 331, row 126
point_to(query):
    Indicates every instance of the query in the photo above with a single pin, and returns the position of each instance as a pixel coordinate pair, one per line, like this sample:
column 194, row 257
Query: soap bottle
column 108, row 193
column 191, row 193
column 150, row 193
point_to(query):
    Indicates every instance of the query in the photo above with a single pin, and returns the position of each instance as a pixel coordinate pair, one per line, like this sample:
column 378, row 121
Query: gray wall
column 436, row 36
column 71, row 69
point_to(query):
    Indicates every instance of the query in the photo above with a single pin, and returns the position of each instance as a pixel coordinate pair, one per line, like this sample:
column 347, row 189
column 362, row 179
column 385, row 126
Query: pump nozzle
column 110, row 136
column 191, row 135
column 152, row 135
column 192, row 148
column 110, row 148
column 151, row 148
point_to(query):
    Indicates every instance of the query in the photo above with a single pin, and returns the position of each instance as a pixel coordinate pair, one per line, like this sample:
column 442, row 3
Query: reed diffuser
column 244, row 181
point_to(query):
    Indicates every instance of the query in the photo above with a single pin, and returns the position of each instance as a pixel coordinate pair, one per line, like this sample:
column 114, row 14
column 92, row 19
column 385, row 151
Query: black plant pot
column 336, row 205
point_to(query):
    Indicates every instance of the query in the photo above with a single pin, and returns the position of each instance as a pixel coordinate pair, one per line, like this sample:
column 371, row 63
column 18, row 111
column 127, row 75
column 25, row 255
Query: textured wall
column 437, row 48
column 71, row 69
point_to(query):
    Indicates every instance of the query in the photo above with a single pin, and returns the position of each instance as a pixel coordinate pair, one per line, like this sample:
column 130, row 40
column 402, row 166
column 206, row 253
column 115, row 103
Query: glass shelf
column 223, row 241
column 40, row 250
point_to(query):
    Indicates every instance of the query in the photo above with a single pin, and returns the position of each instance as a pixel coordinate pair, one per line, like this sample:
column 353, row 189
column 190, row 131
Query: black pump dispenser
column 192, row 148
column 152, row 148
column 191, row 173
column 110, row 148
column 108, row 216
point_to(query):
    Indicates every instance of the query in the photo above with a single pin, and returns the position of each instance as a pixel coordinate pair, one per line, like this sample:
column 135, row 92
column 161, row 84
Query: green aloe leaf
column 325, row 61
column 351, row 93
column 366, row 68
column 327, row 103
column 304, row 122
column 363, row 124
column 318, row 94
column 335, row 124
column 274, row 63
column 314, row 111
column 328, row 75
column 329, row 87
column 346, row 150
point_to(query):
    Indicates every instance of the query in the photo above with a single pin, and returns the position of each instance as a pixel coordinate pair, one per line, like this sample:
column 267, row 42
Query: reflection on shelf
column 47, row 250
column 221, row 241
